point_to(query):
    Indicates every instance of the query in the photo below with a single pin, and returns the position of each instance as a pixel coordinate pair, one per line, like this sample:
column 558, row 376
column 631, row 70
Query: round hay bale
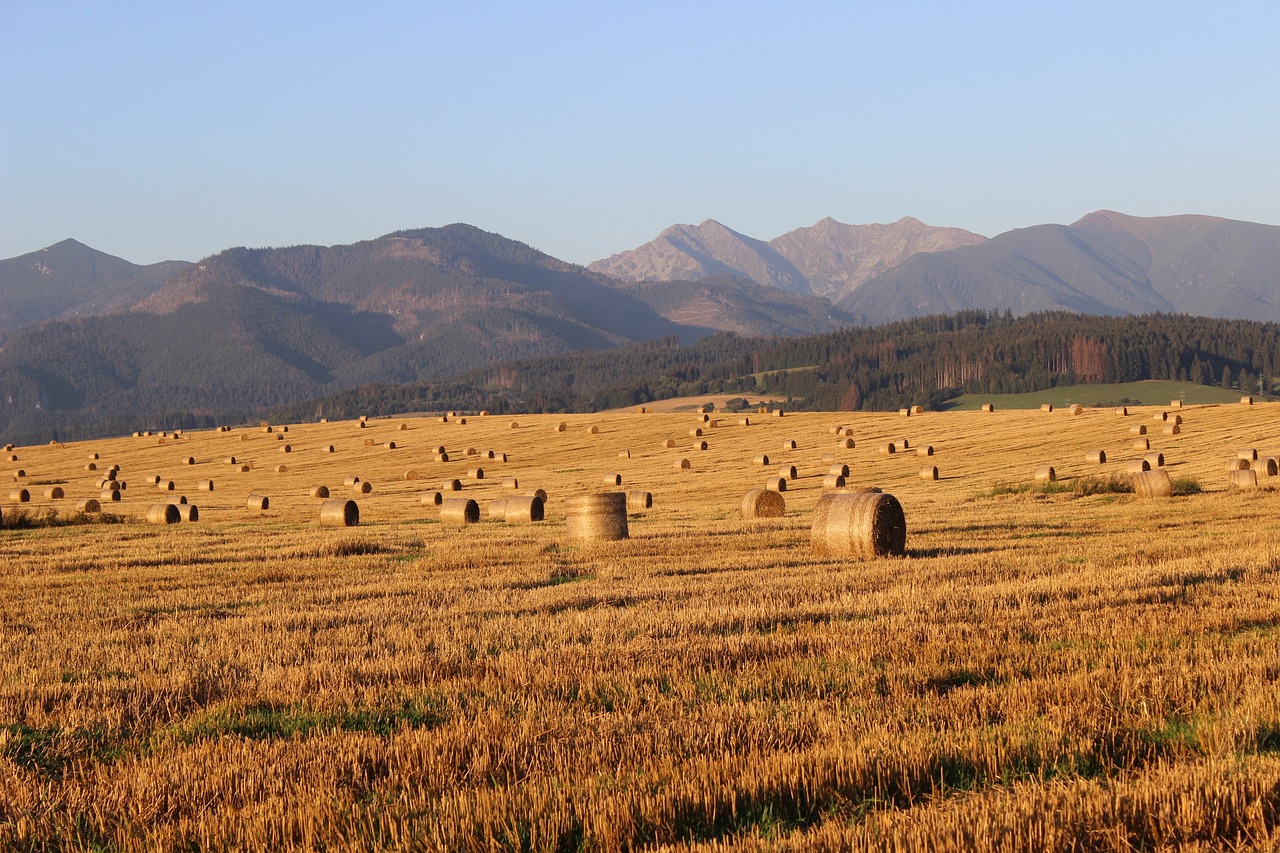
column 561, row 427
column 258, row 502
column 1140, row 429
column 109, row 495
column 540, row 493
column 282, row 469
column 1175, row 404
column 403, row 426
column 705, row 417
column 339, row 513
column 351, row 482
column 888, row 449
column 363, row 418
column 1076, row 409
column 411, row 474
column 1137, row 467
column 1160, row 416
column 19, row 474
column 828, row 458
column 329, row 448
column 189, row 512
column 489, row 454
column 153, row 479
column 613, row 479
column 987, row 407
column 163, row 514
column 1268, row 467
column 1046, row 474
column 90, row 506
column 1155, row 459
column 744, row 421
column 471, row 451
column 839, row 469
column 230, row 460
column 789, row 472
column 847, row 444
column 1122, row 411
column 929, row 472
column 266, row 428
column 600, row 517
column 111, row 485
column 779, row 414
column 54, row 493
column 594, row 430
column 182, row 500
column 500, row 457
column 391, row 445
column 1172, row 429
column 443, row 419
column 1244, row 479
column 836, row 430
column 639, row 501
column 369, row 442
column 475, row 473
column 696, row 432
column 683, row 465
column 166, row 486
column 1096, row 457
column 776, row 484
column 452, row 486
column 9, row 447
column 442, row 457
column 669, row 443
column 1238, row 465
column 244, row 436
column 1246, row 401
column 700, row 445
column 624, row 454
column 761, row 459
column 859, row 525
column 904, row 444
column 1046, row 407
column 789, row 444
column 1152, row 484
column 190, row 460
column 763, row 503
column 524, row 509
column 1177, row 419
column 92, row 466
column 514, row 425
column 459, row 511
column 1247, row 453
column 319, row 491
column 245, row 468
column 924, row 450
column 433, row 498
column 1142, row 444
column 904, row 413
column 833, row 481
column 510, row 483
column 160, row 441
column 286, row 448
column 279, row 437
column 364, row 487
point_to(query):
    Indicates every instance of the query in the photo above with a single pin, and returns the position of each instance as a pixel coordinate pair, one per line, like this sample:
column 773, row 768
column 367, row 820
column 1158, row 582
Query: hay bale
column 904, row 413
column 286, row 448
column 789, row 472
column 541, row 493
column 1175, row 404
column 190, row 460
column 904, row 444
column 1122, row 411
column 369, row 442
column 403, row 426
column 319, row 491
column 1152, row 484
column 182, row 500
column 266, row 428
column 411, row 474
column 833, row 481
column 1140, row 429
column 779, row 413
column 510, row 483
column 846, row 444
column 166, row 486
column 1142, row 444
column 917, row 410
column 1137, row 467
column 230, row 460
column 1046, row 474
column 624, row 454
column 595, row 430
column 1096, row 457
column 514, row 425
column 705, row 417
column 90, row 506
column 451, row 486
column 1046, row 407
column 244, row 436
column 700, row 445
column 924, row 450
column 1247, row 453
column 789, row 444
column 888, row 449
column 1238, row 465
column 696, row 432
column 761, row 459
column 19, row 474
column 245, row 468
column 459, row 511
column 929, row 472
column 189, row 512
column 471, row 451
column 639, row 501
column 329, row 448
column 669, row 443
column 763, row 503
column 1244, row 479
column 776, row 484
column 1172, row 429
column 1268, row 467
column 163, row 514
column 987, row 407
column 1156, row 460
column 475, row 473
column 524, row 509
column 153, row 479
column 351, row 482
column 204, row 486
column 839, row 469
column 859, row 525
column 744, row 421
column 1246, row 401
column 258, row 502
column 683, row 465
column 391, row 445
column 109, row 495
column 500, row 457
column 113, row 485
column 433, row 498
column 600, row 517
column 91, row 466
column 54, row 493
column 364, row 487
column 339, row 513
column 1160, row 416
column 282, row 469
column 442, row 457
column 561, row 427
column 613, row 479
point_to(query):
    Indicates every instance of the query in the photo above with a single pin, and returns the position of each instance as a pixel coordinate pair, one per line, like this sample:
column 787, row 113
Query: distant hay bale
column 94, row 456
column 114, row 485
column 762, row 410
column 363, row 419
column 204, row 486
column 403, row 426
column 488, row 454
column 760, row 459
column 369, row 442
column 266, row 428
column 1155, row 460
column 166, row 485
column 1246, row 401
column 54, row 493
column 1096, row 457
column 639, row 501
column 1076, row 409
column 160, row 441
column 917, row 410
column 833, row 481
column 613, row 479
column 1172, row 429
column 669, row 443
column 904, row 413
column 258, row 502
column 391, row 445
column 510, row 483
column 90, row 506
column 624, row 454
column 988, row 407
column 190, row 460
column 91, row 466
column 904, row 444
column 230, row 460
column 1046, row 407
column 1177, row 419
column 924, row 450
column 1152, row 484
column 1140, row 429
column 109, row 495
column 244, row 436
column 839, row 469
column 163, row 514
column 432, row 498
column 189, row 512
column 364, row 487
column 763, row 503
column 779, row 413
column 500, row 457
column 1244, row 479
column 459, row 511
column 439, row 448
column 452, row 486
column 319, row 491
column 705, row 418
column 1122, row 411
column 776, row 484
column 19, row 474
column 153, row 479
column 1247, row 453
column 411, row 474
column 541, row 493
column 1142, row 444
column 696, row 432
column 524, row 509
column 888, row 449
column 929, row 472
column 245, row 468
column 282, row 469
column 1138, row 466
column 484, row 413
column 700, row 445
column 475, row 473
column 1046, row 474
column 471, row 451
column 789, row 444
column 1268, row 467
column 1238, row 465
column 744, row 421
column 286, row 448
column 683, row 465
column 514, row 425
column 600, row 517
column 846, row 444
column 859, row 525
column 351, row 482
column 443, row 419
column 561, row 427
column 789, row 472
column 1160, row 416
column 279, row 437
column 339, row 513
column 644, row 410
column 595, row 430
column 442, row 457
column 182, row 500
column 1175, row 404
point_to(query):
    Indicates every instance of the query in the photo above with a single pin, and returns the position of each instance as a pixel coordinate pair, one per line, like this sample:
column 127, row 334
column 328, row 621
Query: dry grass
column 1047, row 668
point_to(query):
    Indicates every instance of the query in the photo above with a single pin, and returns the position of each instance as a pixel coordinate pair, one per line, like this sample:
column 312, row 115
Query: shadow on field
column 926, row 553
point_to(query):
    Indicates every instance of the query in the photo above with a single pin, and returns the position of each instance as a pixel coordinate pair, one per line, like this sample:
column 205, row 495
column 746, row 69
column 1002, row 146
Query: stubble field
column 1047, row 668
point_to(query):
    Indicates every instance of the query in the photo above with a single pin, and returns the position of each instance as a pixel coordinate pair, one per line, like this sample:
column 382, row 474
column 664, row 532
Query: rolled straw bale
column 351, row 482
column 789, row 472
column 459, row 511
column 1046, row 407
column 475, row 473
column 1152, row 484
column 286, row 448
column 489, row 454
column 760, row 459
column 8, row 448
column 163, row 514
column 828, row 458
column 500, row 457
column 329, row 448
column 403, row 426
column 244, row 436
column 137, row 434
column 1175, row 404
column 1046, row 474
column 154, row 479
column 1247, row 453
column 541, row 493
column 600, row 517
column 13, row 457
column 54, row 493
column 189, row 512
column 190, row 460
column 638, row 501
column 182, row 500
column 1096, row 457
column 19, row 474
column 833, row 481
column 94, row 457
column 514, row 425
column 846, row 444
column 524, row 509
column 432, row 498
column 451, row 486
column 1142, row 444
column 1244, row 479
column 363, row 419
column 442, row 457
column 453, row 414
column 259, row 502
column 624, row 454
column 339, row 513
column 683, row 465
column 411, row 474
column 917, row 410
column 1269, row 466
column 779, row 413
column 859, row 525
column 904, row 444
column 924, row 450
column 669, row 443
column 789, row 444
column 1172, row 429
column 763, row 503
column 762, row 410
column 230, row 460
column 279, row 437
column 700, row 445
column 839, row 469
column 510, row 483
column 744, row 421
column 282, row 469
column 91, row 506
column 1177, row 419
column 114, row 485
column 369, row 442
column 929, row 472
column 904, row 413
column 1140, row 429
column 1156, row 459
column 443, row 419
column 888, row 449
column 696, row 432
column 364, row 487
column 1246, row 401
column 108, row 495
column 613, row 479
column 1076, row 409
column 1137, row 467
column 561, row 427
column 776, row 484
column 835, row 430
column 644, row 410
column 266, row 428
column 471, row 451
column 160, row 441
column 1160, row 416
column 1122, row 411
column 319, row 491
column 987, row 407
column 595, row 430
column 91, row 466
column 705, row 418
column 166, row 486
column 245, row 468
column 1238, row 465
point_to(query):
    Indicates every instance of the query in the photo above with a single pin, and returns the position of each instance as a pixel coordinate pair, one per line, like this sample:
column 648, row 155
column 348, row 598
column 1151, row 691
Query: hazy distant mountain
column 1106, row 263
column 70, row 279
column 828, row 259
column 739, row 305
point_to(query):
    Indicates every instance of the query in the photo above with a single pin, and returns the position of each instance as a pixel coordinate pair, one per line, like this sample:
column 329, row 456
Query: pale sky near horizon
column 157, row 131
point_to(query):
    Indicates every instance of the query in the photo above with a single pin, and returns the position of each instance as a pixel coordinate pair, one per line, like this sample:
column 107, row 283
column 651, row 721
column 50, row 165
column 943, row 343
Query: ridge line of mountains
column 93, row 336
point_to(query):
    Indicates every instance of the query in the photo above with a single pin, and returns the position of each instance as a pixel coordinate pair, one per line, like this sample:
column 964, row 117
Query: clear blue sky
column 155, row 130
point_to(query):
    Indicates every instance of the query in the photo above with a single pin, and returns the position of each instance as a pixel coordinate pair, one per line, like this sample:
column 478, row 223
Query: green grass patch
column 1078, row 487
column 33, row 519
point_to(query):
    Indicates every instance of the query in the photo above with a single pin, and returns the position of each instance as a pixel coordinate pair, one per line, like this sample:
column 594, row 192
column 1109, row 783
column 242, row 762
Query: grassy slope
column 1152, row 393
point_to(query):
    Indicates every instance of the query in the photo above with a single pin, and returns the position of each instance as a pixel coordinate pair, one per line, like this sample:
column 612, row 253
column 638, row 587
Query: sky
column 163, row 130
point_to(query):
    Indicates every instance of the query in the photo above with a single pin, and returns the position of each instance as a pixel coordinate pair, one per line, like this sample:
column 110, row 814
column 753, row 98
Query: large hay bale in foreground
column 258, row 502
column 1269, row 467
column 163, row 514
column 524, row 509
column 638, row 501
column 859, row 525
column 1244, row 479
column 763, row 503
column 1152, row 484
column 339, row 513
column 1238, row 465
column 1046, row 474
column 598, row 517
column 459, row 511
